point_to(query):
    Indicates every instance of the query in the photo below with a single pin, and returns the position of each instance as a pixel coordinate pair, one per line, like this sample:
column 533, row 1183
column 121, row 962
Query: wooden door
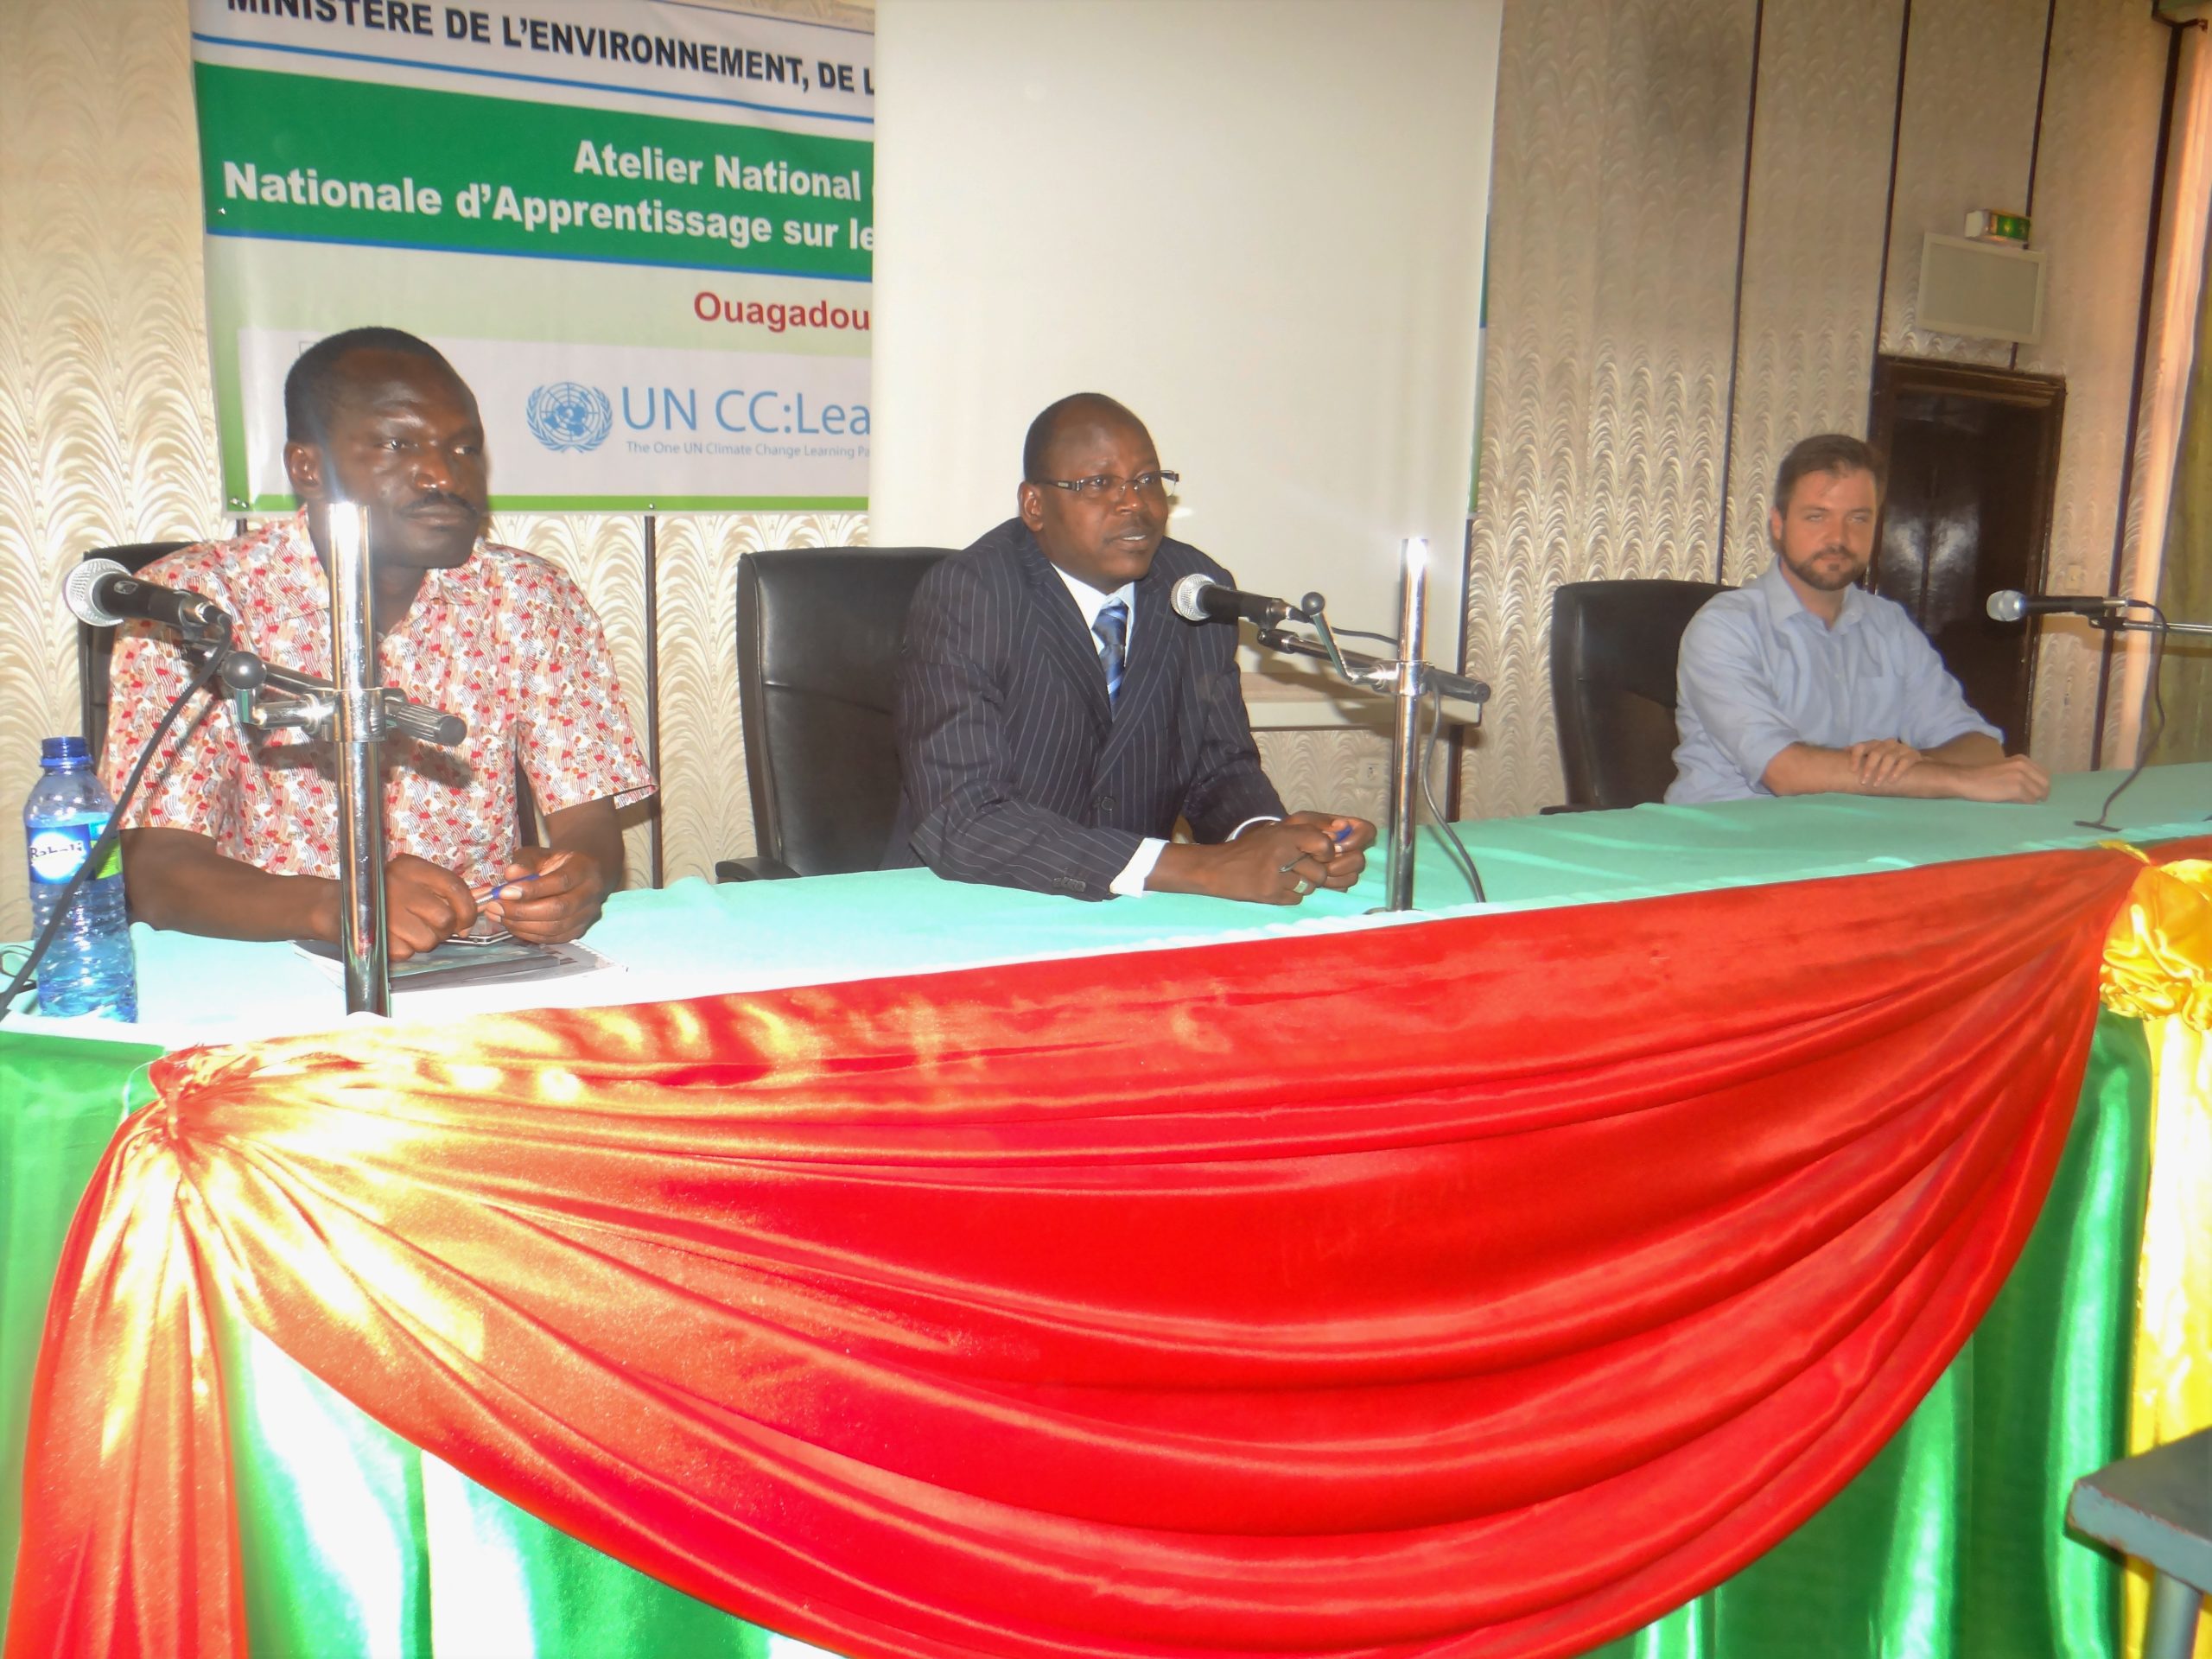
column 1972, row 460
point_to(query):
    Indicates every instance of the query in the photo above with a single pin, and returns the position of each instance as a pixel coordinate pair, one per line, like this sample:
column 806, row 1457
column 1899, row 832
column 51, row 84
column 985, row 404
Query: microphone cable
column 1463, row 859
column 99, row 855
column 2154, row 697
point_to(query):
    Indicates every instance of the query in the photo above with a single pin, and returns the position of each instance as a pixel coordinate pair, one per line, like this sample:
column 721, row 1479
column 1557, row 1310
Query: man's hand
column 1268, row 864
column 2014, row 779
column 1879, row 762
column 177, row 879
column 549, row 896
column 1350, row 838
column 1969, row 768
column 424, row 904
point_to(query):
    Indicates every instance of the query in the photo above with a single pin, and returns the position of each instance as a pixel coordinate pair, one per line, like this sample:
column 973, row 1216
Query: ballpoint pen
column 1336, row 838
column 499, row 889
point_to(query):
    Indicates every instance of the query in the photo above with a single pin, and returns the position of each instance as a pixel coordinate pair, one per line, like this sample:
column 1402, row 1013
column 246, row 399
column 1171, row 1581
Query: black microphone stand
column 1406, row 680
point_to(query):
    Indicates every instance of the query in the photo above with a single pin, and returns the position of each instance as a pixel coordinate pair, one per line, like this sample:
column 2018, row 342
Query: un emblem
column 565, row 416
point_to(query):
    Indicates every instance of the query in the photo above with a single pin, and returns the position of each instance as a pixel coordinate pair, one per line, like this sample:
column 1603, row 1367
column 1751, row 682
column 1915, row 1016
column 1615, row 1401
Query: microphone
column 1199, row 598
column 2008, row 606
column 102, row 592
column 244, row 672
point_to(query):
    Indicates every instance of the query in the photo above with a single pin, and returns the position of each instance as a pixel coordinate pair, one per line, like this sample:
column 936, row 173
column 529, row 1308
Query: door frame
column 1896, row 377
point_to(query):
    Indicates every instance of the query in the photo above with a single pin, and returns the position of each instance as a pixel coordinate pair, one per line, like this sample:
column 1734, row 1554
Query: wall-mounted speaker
column 1980, row 290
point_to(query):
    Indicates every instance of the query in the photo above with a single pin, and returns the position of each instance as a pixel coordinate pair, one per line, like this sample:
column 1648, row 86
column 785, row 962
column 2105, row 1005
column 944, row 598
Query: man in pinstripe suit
column 1056, row 717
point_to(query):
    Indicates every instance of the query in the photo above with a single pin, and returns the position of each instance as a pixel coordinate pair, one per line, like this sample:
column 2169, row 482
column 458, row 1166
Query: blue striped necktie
column 1112, row 628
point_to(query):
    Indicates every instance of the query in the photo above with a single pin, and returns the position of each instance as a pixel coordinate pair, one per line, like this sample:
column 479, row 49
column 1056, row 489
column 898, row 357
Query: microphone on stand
column 2007, row 605
column 244, row 672
column 1199, row 598
column 102, row 592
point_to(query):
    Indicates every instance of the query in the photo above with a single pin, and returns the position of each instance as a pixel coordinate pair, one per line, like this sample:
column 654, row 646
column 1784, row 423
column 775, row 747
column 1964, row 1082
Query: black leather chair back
column 818, row 662
column 95, row 646
column 1614, row 647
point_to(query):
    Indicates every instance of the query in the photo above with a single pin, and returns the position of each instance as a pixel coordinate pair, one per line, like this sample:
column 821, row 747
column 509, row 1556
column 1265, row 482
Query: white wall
column 1259, row 223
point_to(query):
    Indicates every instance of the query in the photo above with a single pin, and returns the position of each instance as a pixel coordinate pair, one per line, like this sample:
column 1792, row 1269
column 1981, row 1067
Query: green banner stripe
column 303, row 157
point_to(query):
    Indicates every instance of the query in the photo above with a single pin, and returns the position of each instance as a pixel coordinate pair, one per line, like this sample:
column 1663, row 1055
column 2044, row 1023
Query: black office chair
column 818, row 658
column 1614, row 646
column 96, row 646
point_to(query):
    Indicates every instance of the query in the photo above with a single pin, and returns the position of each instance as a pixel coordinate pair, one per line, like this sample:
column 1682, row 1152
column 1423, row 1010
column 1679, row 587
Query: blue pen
column 1336, row 838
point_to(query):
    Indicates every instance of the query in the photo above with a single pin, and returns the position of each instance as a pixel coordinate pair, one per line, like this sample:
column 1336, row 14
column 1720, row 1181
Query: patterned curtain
column 2185, row 583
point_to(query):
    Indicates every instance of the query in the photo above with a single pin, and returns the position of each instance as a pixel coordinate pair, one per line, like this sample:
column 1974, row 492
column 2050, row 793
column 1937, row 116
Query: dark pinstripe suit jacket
column 1013, row 767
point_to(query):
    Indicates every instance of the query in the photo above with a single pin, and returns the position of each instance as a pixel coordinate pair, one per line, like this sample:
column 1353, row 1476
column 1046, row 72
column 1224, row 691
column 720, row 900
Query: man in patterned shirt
column 235, row 831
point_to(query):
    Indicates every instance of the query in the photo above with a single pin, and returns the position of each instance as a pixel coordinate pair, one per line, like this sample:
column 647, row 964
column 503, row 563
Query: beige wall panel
column 2170, row 515
column 1968, row 128
column 107, row 419
column 1615, row 199
column 1341, row 769
column 1805, row 346
column 708, row 814
column 2092, row 213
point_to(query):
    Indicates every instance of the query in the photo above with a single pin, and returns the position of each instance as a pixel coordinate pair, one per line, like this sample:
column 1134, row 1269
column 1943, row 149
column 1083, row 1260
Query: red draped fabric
column 1482, row 1286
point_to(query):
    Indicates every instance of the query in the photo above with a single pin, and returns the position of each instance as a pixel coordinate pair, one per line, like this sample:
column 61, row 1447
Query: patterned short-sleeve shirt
column 504, row 640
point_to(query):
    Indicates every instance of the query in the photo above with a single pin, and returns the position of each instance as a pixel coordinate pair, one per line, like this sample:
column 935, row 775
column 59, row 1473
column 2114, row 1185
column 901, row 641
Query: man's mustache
column 440, row 500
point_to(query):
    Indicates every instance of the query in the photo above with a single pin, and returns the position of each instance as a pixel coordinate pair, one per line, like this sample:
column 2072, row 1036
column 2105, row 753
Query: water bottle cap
column 64, row 749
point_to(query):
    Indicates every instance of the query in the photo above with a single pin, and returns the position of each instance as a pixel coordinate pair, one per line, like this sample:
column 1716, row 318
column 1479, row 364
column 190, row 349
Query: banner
column 643, row 232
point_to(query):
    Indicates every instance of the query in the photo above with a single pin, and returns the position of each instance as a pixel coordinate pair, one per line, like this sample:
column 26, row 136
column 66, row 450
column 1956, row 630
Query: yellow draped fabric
column 2157, row 967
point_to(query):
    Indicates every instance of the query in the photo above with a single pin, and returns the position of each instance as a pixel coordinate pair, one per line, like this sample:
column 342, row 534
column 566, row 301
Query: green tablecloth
column 692, row 938
column 1950, row 1542
column 60, row 1101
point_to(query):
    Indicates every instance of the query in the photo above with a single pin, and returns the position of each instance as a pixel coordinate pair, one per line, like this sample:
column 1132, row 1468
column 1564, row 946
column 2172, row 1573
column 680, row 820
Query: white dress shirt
column 1091, row 601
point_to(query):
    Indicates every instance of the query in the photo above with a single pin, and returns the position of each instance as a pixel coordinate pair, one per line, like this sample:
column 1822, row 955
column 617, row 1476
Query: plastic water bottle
column 89, row 968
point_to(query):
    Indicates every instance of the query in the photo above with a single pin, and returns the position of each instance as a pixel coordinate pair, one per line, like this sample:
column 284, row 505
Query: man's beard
column 1826, row 581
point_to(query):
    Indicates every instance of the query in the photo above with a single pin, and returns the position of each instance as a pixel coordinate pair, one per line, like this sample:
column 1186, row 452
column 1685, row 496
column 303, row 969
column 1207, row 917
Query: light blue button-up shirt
column 1760, row 672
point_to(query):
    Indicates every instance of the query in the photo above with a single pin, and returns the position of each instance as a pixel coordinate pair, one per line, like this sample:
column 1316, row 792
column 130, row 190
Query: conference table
column 352, row 1538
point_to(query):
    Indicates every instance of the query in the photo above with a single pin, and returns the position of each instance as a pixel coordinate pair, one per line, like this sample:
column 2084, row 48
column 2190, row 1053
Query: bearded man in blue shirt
column 1803, row 683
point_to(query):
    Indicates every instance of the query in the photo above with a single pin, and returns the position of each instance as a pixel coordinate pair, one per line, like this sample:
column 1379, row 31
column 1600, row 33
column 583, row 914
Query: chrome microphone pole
column 1407, row 682
column 1405, row 728
column 2132, row 625
column 360, row 710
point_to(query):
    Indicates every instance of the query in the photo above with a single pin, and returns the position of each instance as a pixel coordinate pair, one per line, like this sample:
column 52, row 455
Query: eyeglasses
column 1104, row 487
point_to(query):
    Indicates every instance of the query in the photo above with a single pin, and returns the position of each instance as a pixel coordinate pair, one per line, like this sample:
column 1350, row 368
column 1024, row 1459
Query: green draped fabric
column 59, row 1102
column 1950, row 1543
